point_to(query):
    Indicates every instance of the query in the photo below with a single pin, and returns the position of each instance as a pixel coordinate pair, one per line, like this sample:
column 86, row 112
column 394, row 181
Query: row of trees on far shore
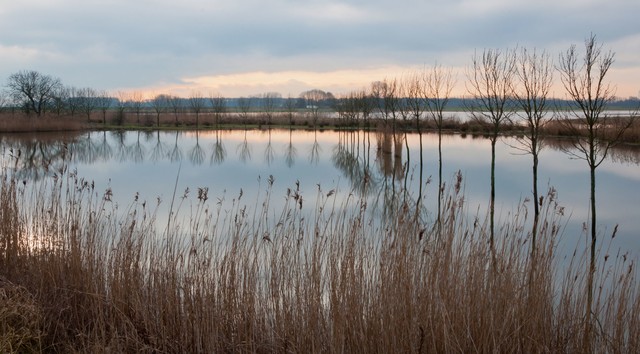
column 39, row 94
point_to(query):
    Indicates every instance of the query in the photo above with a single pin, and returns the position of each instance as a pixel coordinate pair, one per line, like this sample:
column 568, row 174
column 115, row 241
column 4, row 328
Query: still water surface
column 148, row 164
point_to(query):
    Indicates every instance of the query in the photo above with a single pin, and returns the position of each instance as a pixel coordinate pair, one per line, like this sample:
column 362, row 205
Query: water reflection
column 196, row 153
column 244, row 149
column 392, row 170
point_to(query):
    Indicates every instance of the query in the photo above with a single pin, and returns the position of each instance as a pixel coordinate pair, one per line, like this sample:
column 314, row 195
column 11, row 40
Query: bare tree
column 269, row 104
column 348, row 107
column 291, row 107
column 159, row 105
column 366, row 105
column 534, row 72
column 386, row 98
column 4, row 100
column 244, row 107
column 88, row 101
column 121, row 107
column 583, row 78
column 196, row 102
column 135, row 103
column 73, row 100
column 489, row 83
column 405, row 107
column 33, row 90
column 413, row 91
column 176, row 105
column 104, row 103
column 313, row 100
column 219, row 107
column 60, row 100
column 437, row 87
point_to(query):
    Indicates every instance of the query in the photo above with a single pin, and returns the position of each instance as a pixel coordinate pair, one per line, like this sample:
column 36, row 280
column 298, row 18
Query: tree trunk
column 536, row 205
column 439, row 221
column 492, row 202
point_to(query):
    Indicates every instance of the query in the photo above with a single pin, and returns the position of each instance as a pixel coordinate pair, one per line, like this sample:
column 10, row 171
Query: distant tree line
column 391, row 100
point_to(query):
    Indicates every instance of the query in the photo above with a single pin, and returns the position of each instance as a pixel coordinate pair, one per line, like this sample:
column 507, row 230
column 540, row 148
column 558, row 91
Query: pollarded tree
column 33, row 90
column 534, row 73
column 490, row 84
column 583, row 77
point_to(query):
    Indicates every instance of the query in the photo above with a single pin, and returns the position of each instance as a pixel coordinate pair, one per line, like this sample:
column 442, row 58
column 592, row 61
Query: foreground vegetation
column 80, row 274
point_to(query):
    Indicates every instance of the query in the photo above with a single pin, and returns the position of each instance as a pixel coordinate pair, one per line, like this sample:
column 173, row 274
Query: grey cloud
column 131, row 43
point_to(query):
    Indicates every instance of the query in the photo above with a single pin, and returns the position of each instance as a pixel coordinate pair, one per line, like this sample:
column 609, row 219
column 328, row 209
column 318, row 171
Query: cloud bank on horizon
column 246, row 47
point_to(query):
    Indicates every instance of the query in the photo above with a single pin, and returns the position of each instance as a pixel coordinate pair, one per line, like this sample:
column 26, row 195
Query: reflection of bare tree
column 84, row 149
column 160, row 149
column 196, row 154
column 104, row 150
column 148, row 136
column 175, row 155
column 290, row 151
column 347, row 158
column 219, row 152
column 35, row 158
column 619, row 154
column 269, row 153
column 122, row 151
column 629, row 154
column 244, row 149
column 389, row 160
column 136, row 151
column 314, row 153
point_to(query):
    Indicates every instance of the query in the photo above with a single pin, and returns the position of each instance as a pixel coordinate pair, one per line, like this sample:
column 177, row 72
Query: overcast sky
column 245, row 47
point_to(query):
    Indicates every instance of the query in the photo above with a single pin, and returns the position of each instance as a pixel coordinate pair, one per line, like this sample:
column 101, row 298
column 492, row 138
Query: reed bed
column 79, row 273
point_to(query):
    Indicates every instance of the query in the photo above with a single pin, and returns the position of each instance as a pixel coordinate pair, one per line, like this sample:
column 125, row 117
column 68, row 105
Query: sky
column 239, row 48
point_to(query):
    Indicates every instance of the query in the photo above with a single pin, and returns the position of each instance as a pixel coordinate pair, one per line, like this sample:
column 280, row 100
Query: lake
column 150, row 164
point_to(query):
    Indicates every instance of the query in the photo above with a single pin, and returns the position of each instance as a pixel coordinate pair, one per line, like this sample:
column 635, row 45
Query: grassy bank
column 80, row 274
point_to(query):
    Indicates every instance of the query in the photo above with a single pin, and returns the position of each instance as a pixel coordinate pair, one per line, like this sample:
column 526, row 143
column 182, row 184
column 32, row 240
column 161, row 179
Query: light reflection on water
column 148, row 164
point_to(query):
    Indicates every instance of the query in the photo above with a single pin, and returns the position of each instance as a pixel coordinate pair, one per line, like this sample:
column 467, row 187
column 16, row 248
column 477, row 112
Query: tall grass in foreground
column 80, row 274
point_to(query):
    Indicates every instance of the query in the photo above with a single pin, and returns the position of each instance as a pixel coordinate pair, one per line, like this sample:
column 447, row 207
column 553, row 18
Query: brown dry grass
column 21, row 123
column 81, row 275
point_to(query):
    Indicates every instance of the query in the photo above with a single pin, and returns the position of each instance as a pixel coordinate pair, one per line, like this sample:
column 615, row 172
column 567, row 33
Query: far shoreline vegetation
column 14, row 121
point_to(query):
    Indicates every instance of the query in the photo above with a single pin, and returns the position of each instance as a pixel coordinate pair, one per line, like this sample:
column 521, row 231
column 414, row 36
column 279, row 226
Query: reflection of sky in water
column 227, row 161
